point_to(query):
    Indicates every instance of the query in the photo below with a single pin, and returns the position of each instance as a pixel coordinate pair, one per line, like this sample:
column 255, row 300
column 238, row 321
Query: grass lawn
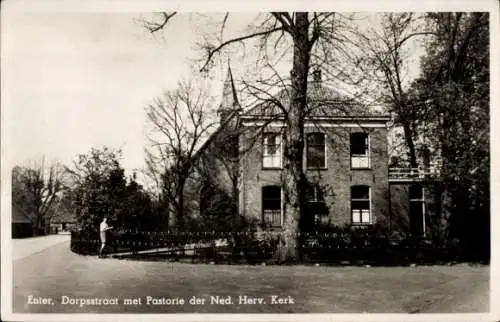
column 313, row 289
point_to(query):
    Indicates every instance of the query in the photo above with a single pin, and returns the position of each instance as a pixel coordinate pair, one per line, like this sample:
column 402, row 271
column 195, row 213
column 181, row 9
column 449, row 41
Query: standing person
column 103, row 229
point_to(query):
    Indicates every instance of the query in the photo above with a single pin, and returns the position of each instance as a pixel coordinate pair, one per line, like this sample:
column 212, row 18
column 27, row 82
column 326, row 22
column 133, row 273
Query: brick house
column 345, row 160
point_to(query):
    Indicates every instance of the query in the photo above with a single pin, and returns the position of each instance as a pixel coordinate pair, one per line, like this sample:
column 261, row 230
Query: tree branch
column 280, row 16
column 154, row 27
column 212, row 52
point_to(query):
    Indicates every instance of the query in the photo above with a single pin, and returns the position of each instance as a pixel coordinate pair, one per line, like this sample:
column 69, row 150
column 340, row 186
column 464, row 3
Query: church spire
column 229, row 101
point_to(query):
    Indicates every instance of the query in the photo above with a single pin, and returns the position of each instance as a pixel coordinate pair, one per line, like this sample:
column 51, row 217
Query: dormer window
column 316, row 151
column 271, row 154
column 360, row 151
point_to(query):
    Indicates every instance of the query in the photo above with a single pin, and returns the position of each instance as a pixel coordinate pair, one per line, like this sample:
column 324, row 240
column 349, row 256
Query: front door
column 417, row 210
column 417, row 218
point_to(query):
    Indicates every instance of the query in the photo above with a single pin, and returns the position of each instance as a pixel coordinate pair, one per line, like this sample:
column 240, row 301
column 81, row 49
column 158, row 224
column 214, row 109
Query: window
column 317, row 208
column 314, row 193
column 360, row 151
column 271, row 206
column 206, row 194
column 321, row 219
column 360, row 205
column 417, row 210
column 271, row 156
column 316, row 151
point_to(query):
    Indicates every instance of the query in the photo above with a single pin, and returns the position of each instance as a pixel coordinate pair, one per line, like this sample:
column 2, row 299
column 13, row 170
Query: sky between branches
column 73, row 81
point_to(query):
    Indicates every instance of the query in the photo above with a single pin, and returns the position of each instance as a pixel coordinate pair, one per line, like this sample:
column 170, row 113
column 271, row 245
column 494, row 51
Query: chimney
column 317, row 76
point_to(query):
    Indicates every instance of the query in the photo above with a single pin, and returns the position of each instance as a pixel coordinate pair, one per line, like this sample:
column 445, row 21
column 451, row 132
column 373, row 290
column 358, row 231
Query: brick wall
column 338, row 175
column 389, row 202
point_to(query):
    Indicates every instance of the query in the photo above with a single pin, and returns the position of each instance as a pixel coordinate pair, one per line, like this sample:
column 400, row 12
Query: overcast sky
column 72, row 81
column 78, row 80
column 81, row 80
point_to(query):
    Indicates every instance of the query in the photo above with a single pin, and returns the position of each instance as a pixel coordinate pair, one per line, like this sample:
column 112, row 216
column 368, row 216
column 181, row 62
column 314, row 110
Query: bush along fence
column 340, row 247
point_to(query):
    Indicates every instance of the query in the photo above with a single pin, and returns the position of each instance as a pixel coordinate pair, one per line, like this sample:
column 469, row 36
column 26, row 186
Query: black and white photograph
column 212, row 161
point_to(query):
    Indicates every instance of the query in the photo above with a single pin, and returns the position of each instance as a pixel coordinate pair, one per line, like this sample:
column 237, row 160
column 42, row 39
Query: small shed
column 22, row 224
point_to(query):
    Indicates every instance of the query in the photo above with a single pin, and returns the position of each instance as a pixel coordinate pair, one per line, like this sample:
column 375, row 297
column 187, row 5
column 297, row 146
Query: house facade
column 348, row 182
column 345, row 160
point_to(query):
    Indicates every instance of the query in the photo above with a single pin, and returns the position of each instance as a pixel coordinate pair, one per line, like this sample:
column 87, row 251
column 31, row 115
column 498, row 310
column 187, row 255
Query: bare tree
column 282, row 32
column 385, row 57
column 181, row 122
column 35, row 192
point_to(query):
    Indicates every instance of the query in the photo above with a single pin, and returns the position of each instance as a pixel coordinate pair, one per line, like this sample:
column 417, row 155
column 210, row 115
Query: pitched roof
column 322, row 101
column 19, row 216
column 215, row 134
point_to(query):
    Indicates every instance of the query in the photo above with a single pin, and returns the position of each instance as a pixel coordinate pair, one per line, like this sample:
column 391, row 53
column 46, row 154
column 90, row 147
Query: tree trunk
column 446, row 212
column 38, row 225
column 180, row 207
column 410, row 144
column 448, row 173
column 293, row 172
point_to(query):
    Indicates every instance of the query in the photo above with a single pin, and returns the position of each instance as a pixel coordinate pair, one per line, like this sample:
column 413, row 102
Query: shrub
column 337, row 245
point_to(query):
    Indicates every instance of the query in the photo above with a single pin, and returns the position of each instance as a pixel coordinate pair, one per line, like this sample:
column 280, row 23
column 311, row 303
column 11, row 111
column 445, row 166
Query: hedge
column 340, row 247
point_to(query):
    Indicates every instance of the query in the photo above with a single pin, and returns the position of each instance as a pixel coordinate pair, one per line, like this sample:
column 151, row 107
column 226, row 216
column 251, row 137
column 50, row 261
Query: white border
column 252, row 6
column 255, row 317
column 263, row 5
